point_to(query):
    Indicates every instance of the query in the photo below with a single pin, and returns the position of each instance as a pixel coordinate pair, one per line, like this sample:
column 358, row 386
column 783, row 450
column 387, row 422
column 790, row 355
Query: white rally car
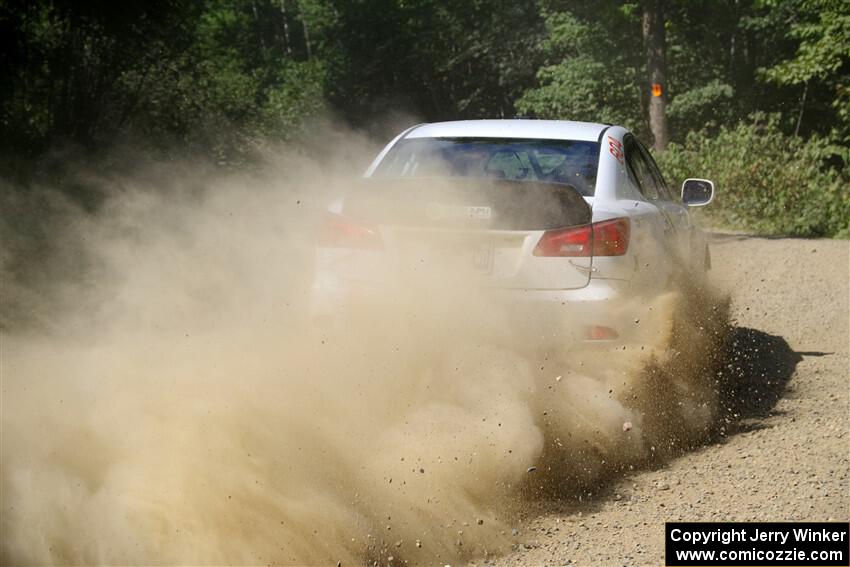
column 558, row 218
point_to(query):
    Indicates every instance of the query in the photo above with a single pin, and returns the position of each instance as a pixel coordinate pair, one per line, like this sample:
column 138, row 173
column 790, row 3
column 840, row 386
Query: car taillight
column 611, row 237
column 574, row 241
column 338, row 231
column 600, row 333
column 605, row 238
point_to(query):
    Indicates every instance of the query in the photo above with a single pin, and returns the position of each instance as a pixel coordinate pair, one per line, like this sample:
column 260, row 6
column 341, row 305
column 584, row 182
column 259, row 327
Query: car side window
column 640, row 170
column 660, row 183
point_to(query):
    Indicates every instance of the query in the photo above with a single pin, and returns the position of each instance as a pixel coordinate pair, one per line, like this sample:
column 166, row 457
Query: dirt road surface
column 785, row 457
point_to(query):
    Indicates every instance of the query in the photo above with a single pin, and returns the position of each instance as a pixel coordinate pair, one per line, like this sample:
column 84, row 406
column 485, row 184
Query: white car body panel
column 660, row 230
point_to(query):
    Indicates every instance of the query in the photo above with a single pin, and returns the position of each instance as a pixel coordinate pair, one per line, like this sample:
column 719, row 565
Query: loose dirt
column 782, row 454
column 168, row 395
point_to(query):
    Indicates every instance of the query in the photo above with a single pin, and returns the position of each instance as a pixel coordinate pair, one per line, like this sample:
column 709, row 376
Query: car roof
column 515, row 128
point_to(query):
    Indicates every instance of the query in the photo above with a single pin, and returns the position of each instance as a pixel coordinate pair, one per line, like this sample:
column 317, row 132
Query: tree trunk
column 306, row 37
column 286, row 44
column 258, row 26
column 654, row 40
column 802, row 108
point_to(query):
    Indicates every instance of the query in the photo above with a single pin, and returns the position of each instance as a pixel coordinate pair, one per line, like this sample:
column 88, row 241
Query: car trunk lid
column 478, row 230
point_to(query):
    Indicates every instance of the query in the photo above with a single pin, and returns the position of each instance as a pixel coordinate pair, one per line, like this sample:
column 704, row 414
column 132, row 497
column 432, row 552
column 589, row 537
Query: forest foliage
column 746, row 80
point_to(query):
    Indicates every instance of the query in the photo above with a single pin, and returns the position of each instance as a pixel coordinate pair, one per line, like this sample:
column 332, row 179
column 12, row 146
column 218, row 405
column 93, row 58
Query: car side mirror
column 697, row 192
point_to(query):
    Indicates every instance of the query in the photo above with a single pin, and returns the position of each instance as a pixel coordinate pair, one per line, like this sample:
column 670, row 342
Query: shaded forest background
column 757, row 92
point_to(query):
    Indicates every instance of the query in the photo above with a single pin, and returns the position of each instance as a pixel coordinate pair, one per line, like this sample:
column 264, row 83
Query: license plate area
column 442, row 255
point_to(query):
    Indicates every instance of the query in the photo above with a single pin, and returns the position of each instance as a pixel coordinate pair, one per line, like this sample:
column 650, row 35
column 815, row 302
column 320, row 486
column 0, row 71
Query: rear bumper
column 551, row 318
column 562, row 316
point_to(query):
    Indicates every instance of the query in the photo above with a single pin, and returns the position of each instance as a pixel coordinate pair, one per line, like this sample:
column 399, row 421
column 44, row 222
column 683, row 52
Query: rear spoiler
column 463, row 202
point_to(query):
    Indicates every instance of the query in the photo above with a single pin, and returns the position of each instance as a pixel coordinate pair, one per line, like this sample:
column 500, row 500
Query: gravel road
column 784, row 455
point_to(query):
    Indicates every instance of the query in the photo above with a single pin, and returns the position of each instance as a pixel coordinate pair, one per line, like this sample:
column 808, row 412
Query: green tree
column 587, row 74
column 432, row 59
column 65, row 63
column 241, row 81
column 216, row 76
column 823, row 56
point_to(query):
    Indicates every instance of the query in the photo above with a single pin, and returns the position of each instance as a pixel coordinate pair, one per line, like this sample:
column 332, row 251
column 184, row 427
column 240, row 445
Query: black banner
column 692, row 544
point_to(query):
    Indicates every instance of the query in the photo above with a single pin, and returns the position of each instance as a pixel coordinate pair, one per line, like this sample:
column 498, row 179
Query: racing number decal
column 616, row 149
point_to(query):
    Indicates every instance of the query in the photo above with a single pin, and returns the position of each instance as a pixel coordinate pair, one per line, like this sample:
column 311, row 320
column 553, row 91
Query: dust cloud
column 168, row 397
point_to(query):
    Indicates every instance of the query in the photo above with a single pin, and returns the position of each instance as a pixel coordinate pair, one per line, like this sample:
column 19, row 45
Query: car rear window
column 551, row 161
